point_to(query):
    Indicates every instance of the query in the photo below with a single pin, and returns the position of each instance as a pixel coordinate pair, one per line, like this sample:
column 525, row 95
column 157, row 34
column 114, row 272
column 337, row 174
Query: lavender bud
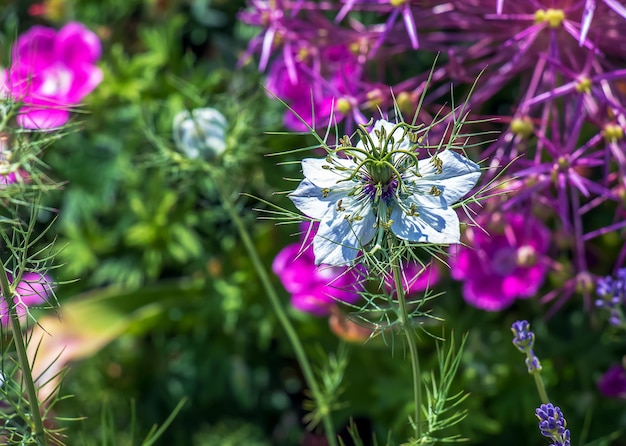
column 553, row 425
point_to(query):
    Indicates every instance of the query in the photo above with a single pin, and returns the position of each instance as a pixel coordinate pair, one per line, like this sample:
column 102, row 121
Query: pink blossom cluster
column 317, row 289
column 551, row 80
column 314, row 288
column 51, row 72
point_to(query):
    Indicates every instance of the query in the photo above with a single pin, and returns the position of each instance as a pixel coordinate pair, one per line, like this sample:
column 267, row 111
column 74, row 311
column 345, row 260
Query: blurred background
column 159, row 302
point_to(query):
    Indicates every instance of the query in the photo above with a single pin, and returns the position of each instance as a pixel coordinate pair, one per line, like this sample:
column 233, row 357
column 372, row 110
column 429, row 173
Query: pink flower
column 33, row 289
column 51, row 72
column 503, row 264
column 11, row 178
column 415, row 277
column 314, row 289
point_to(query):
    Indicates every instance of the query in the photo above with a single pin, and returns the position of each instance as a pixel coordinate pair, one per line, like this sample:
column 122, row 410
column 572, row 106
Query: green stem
column 541, row 388
column 22, row 358
column 303, row 360
column 405, row 322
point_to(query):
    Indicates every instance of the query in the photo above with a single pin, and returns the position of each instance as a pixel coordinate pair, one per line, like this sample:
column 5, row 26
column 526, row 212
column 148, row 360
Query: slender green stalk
column 305, row 365
column 405, row 322
column 541, row 388
column 22, row 358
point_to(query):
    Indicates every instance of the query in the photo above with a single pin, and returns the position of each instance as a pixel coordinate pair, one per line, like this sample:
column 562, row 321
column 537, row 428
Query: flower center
column 57, row 82
column 378, row 190
column 553, row 17
column 504, row 261
column 584, row 85
column 526, row 256
column 380, row 172
column 343, row 105
column 613, row 132
column 522, row 127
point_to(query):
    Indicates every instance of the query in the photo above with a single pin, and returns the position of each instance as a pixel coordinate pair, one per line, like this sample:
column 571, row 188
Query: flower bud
column 200, row 133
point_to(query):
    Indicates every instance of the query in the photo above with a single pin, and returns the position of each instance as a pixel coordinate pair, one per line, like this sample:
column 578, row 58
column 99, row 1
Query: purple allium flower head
column 314, row 289
column 297, row 38
column 320, row 83
column 568, row 160
column 613, row 382
column 504, row 264
column 532, row 31
column 51, row 71
column 33, row 289
column 553, row 425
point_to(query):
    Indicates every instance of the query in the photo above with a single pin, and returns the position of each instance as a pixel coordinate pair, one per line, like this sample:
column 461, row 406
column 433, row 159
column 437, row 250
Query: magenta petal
column 51, row 72
column 416, row 278
column 314, row 289
column 76, row 45
column 284, row 258
column 526, row 282
column 429, row 278
column 486, row 294
column 86, row 79
column 295, row 268
column 42, row 118
column 34, row 48
column 311, row 303
column 462, row 261
column 518, row 286
column 4, row 313
column 34, row 288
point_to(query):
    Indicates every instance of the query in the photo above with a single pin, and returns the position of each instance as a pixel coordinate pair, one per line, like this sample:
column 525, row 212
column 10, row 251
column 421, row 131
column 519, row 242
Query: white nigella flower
column 380, row 186
column 200, row 133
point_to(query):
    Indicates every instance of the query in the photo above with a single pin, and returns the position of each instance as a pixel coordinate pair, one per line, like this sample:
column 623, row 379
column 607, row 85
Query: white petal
column 310, row 199
column 339, row 239
column 438, row 226
column 327, row 175
column 458, row 176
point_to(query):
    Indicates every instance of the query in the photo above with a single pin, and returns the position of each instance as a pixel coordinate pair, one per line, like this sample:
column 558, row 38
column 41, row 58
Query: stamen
column 613, row 132
column 437, row 163
column 435, row 191
column 553, row 17
column 584, row 85
column 522, row 127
